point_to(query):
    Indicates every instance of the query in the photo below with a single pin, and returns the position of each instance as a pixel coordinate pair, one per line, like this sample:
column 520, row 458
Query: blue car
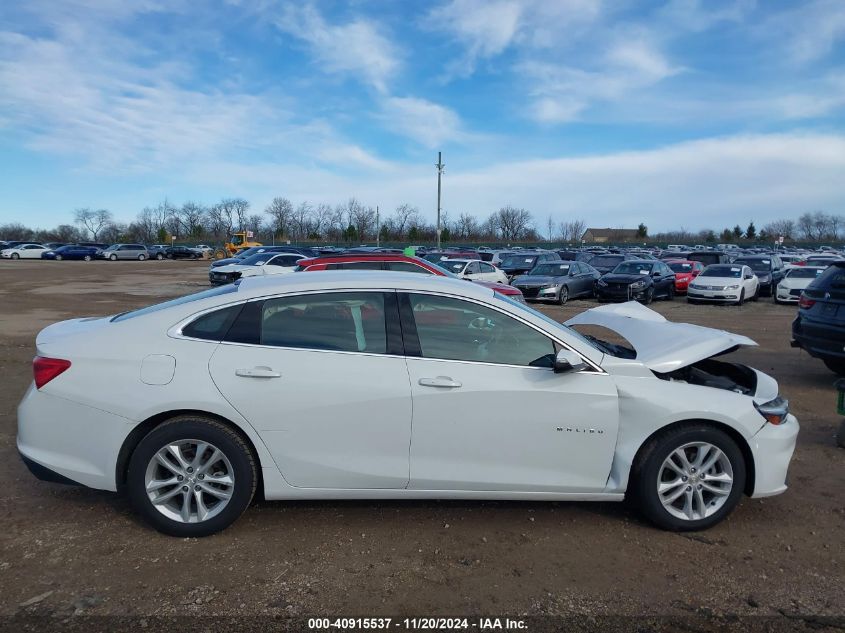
column 71, row 251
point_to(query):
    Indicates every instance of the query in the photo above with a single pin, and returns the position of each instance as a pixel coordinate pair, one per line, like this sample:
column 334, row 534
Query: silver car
column 124, row 251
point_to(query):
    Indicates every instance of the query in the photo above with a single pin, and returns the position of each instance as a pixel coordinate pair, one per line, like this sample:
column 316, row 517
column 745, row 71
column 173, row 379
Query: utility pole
column 378, row 229
column 440, row 167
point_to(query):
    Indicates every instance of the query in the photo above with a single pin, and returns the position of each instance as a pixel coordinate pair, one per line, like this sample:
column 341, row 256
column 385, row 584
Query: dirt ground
column 70, row 550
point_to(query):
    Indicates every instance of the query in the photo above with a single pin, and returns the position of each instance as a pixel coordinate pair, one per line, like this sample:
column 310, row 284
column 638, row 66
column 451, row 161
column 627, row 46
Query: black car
column 71, row 251
column 819, row 328
column 768, row 268
column 607, row 262
column 181, row 252
column 637, row 280
column 557, row 281
column 521, row 263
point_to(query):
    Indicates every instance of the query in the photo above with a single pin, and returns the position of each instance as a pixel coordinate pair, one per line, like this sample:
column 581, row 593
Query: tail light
column 805, row 302
column 45, row 369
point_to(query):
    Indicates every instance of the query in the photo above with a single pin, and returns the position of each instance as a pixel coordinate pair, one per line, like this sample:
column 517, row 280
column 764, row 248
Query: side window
column 473, row 269
column 452, row 329
column 214, row 325
column 360, row 266
column 340, row 321
column 407, row 267
column 487, row 268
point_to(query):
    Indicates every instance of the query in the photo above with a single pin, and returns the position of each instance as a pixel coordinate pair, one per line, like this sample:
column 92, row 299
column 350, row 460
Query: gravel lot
column 66, row 550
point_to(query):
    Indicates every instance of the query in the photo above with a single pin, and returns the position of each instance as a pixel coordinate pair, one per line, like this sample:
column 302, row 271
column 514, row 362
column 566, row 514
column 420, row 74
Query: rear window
column 199, row 296
column 832, row 278
column 607, row 260
column 804, row 273
column 214, row 325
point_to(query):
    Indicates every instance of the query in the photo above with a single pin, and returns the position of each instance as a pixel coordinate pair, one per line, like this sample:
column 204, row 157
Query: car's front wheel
column 15, row 256
column 191, row 476
column 58, row 258
column 141, row 257
column 113, row 257
column 563, row 297
column 87, row 258
column 159, row 256
column 688, row 478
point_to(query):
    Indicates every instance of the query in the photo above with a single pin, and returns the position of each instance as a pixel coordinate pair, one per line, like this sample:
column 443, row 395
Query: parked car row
column 88, row 251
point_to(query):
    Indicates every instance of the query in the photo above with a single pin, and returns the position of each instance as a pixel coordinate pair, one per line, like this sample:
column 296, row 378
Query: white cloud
column 696, row 16
column 428, row 123
column 710, row 183
column 358, row 47
column 809, row 32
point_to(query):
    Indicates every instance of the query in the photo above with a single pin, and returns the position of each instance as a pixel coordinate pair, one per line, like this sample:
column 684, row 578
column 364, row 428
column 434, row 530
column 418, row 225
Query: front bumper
column 218, row 279
column 772, row 447
column 785, row 295
column 713, row 295
column 608, row 293
column 535, row 293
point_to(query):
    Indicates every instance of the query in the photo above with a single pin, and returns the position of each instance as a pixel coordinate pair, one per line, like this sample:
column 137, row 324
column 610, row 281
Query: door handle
column 258, row 372
column 440, row 381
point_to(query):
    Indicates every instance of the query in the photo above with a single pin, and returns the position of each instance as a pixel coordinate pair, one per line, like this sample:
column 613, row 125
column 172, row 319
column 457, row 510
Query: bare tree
column 301, row 219
column 281, row 212
column 362, row 218
column 466, row 227
column 92, row 221
column 322, row 219
column 572, row 230
column 780, row 228
column 255, row 223
column 403, row 217
column 190, row 216
column 512, row 223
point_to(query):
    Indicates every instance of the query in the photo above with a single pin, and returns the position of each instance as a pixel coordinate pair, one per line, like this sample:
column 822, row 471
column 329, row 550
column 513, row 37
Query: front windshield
column 804, row 273
column 571, row 331
column 632, row 268
column 453, row 266
column 757, row 265
column 732, row 272
column 448, row 273
column 518, row 261
column 680, row 267
column 550, row 270
column 257, row 259
column 605, row 260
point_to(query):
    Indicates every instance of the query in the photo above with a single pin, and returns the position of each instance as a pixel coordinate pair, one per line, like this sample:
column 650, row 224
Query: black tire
column 642, row 489
column 113, row 257
column 58, row 258
column 563, row 295
column 159, row 256
column 87, row 258
column 15, row 256
column 840, row 435
column 670, row 293
column 836, row 365
column 141, row 257
column 741, row 297
column 195, row 427
column 756, row 296
column 649, row 296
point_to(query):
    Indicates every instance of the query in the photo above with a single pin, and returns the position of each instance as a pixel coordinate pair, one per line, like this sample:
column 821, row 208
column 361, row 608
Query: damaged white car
column 372, row 385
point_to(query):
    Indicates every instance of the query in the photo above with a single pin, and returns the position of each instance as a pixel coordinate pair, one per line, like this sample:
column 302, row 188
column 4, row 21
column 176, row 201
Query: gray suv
column 124, row 251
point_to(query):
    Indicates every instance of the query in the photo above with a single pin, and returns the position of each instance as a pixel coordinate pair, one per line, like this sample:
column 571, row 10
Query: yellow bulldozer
column 238, row 242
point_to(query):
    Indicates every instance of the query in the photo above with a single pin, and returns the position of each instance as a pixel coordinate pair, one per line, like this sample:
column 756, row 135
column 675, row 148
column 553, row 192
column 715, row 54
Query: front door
column 319, row 378
column 489, row 412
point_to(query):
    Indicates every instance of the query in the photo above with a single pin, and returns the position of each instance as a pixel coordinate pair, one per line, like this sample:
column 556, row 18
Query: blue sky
column 679, row 113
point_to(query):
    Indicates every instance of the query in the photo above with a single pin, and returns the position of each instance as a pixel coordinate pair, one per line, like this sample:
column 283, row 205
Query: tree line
column 355, row 222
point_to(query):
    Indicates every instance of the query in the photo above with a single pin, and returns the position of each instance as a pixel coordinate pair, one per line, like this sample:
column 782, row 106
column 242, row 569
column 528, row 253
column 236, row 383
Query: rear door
column 322, row 378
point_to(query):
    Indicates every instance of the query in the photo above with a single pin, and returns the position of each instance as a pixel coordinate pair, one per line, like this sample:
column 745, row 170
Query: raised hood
column 663, row 346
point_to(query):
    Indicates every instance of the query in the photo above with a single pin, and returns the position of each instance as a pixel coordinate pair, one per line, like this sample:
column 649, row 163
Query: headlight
column 638, row 284
column 734, row 287
column 694, row 286
column 602, row 282
column 774, row 411
column 549, row 286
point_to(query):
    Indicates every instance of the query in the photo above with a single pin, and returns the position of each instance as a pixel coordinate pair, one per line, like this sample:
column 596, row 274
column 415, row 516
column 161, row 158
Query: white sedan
column 267, row 263
column 724, row 283
column 796, row 279
column 386, row 385
column 24, row 251
column 474, row 270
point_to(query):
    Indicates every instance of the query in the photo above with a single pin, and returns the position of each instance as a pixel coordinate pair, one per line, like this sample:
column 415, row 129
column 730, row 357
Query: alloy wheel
column 189, row 481
column 695, row 481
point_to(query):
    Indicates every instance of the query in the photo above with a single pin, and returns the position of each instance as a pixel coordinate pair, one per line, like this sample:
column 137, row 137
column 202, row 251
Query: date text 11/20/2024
column 416, row 624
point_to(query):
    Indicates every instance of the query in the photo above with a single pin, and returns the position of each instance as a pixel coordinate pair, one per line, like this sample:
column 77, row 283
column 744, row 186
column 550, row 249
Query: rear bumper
column 772, row 447
column 822, row 340
column 45, row 474
column 70, row 440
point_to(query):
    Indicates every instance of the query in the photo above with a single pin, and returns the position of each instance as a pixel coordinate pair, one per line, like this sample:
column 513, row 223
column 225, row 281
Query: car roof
column 358, row 280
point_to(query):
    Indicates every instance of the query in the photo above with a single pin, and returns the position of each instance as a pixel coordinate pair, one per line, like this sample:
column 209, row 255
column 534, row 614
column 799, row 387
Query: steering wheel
column 481, row 323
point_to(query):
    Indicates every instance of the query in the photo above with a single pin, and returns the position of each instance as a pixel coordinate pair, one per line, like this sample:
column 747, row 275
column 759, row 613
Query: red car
column 390, row 261
column 685, row 271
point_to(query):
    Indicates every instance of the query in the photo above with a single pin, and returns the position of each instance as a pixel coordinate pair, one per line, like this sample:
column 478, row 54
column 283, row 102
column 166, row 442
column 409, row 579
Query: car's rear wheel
column 670, row 293
column 192, row 476
column 741, row 297
column 563, row 297
column 836, row 365
column 159, row 256
column 113, row 257
column 87, row 258
column 141, row 257
column 688, row 478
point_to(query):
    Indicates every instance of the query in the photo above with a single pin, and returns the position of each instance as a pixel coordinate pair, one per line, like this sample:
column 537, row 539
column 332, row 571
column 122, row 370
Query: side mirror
column 656, row 273
column 567, row 361
column 749, row 276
